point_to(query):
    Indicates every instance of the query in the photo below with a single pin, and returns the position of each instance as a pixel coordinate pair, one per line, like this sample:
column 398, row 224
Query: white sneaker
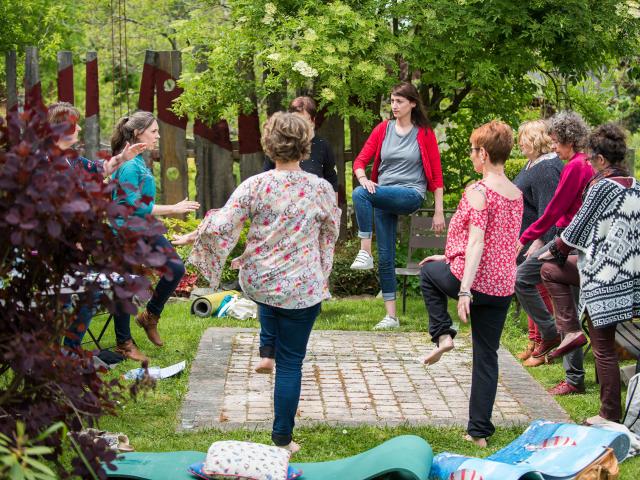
column 363, row 261
column 386, row 323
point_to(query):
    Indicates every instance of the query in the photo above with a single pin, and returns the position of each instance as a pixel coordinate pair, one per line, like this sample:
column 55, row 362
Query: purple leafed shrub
column 56, row 229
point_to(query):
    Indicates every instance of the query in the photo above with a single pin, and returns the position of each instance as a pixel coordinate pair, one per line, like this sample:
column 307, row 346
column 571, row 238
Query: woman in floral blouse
column 479, row 269
column 288, row 257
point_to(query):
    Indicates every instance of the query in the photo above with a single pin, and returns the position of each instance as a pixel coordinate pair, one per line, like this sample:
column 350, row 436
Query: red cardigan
column 566, row 200
column 428, row 151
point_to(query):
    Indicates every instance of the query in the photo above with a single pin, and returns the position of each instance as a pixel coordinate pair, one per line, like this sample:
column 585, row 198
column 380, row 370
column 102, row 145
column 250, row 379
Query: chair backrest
column 420, row 234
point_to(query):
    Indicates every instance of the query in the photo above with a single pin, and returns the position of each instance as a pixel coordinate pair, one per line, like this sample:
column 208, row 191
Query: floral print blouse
column 289, row 252
column 500, row 220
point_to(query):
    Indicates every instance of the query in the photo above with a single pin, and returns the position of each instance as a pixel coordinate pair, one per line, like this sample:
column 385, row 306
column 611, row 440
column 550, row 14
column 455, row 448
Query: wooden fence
column 212, row 148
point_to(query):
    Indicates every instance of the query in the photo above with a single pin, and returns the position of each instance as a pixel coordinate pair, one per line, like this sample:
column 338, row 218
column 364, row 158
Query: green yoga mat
column 407, row 457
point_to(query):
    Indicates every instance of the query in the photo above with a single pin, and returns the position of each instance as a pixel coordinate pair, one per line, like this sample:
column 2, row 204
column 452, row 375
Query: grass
column 151, row 420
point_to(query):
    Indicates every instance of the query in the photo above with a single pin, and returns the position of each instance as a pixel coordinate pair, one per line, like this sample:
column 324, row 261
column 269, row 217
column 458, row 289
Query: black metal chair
column 97, row 339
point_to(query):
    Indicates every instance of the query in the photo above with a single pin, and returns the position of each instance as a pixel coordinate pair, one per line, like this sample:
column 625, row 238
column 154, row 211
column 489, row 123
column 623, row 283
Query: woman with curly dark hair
column 569, row 134
column 605, row 233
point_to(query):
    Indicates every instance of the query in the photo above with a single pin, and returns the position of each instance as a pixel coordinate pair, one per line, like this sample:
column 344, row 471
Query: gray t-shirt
column 400, row 160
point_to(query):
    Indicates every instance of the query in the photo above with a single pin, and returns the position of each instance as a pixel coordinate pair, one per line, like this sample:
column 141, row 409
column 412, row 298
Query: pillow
column 196, row 470
column 246, row 460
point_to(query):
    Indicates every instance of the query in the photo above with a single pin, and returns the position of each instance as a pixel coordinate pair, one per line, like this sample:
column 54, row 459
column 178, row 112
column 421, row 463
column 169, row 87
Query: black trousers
column 488, row 314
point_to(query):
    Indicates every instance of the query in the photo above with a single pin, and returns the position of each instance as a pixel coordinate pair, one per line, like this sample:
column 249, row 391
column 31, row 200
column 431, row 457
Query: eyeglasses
column 474, row 149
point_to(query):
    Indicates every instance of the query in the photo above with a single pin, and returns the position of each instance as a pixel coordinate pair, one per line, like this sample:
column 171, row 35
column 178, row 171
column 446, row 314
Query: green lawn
column 150, row 421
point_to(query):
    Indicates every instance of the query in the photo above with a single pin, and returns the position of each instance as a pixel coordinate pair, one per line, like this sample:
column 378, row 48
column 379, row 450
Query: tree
column 50, row 25
column 349, row 53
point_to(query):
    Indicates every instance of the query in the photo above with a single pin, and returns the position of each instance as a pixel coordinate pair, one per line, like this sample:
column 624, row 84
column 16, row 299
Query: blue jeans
column 166, row 286
column 75, row 333
column 291, row 329
column 384, row 206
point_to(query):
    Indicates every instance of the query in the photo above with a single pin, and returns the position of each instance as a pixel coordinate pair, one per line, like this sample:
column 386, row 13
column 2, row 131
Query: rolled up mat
column 207, row 305
column 407, row 457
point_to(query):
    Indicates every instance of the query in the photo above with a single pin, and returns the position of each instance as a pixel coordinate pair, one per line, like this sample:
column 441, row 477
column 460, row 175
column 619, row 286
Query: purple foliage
column 56, row 228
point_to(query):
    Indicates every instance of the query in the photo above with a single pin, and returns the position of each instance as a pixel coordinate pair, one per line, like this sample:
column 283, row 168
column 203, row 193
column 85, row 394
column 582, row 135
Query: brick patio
column 352, row 378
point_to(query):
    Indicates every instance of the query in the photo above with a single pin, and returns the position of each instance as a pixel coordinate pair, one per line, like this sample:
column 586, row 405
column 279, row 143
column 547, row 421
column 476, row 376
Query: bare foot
column 568, row 338
column 293, row 447
column 478, row 441
column 265, row 366
column 445, row 344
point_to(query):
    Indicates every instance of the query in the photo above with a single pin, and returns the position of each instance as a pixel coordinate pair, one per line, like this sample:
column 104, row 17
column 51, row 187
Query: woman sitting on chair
column 65, row 114
column 406, row 163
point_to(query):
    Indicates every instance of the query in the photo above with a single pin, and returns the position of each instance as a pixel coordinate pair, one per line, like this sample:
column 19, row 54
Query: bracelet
column 361, row 177
column 465, row 294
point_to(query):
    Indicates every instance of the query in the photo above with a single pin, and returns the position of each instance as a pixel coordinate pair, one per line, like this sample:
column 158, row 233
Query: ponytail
column 128, row 128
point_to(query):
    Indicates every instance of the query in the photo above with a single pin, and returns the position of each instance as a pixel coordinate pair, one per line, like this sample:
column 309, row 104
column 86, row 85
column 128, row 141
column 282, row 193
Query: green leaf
column 39, row 466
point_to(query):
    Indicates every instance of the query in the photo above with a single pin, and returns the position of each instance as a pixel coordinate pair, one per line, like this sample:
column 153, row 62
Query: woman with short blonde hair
column 534, row 136
column 538, row 181
column 320, row 159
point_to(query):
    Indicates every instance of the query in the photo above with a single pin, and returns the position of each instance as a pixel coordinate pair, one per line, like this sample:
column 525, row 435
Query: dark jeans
column 165, row 287
column 563, row 282
column 384, row 206
column 603, row 342
column 291, row 329
column 488, row 314
column 268, row 341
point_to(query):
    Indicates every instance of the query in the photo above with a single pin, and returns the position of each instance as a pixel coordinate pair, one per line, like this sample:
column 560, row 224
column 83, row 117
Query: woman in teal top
column 137, row 188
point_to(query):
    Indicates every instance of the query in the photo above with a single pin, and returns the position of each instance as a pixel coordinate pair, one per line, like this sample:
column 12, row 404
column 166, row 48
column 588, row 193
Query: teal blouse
column 138, row 184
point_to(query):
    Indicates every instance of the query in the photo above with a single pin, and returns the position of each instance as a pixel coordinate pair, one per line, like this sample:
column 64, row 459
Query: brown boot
column 526, row 353
column 149, row 322
column 537, row 361
column 129, row 350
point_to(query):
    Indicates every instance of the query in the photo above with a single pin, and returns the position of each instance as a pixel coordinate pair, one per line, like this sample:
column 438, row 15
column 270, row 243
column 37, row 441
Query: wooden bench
column 421, row 237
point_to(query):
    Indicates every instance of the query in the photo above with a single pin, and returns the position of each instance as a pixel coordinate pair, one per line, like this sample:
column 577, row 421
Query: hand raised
column 186, row 206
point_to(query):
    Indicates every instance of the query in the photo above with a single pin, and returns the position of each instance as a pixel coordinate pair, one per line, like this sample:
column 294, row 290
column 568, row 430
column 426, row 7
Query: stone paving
column 352, row 378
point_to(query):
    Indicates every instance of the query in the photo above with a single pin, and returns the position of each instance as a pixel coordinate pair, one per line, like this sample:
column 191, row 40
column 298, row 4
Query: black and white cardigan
column 606, row 233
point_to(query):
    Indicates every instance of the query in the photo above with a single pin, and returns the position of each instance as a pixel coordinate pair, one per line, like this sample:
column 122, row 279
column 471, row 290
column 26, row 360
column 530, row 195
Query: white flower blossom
column 328, row 94
column 274, row 56
column 304, row 69
column 270, row 9
column 311, row 35
column 269, row 12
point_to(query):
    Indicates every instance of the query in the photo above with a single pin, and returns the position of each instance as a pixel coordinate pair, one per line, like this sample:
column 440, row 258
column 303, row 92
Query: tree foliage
column 348, row 53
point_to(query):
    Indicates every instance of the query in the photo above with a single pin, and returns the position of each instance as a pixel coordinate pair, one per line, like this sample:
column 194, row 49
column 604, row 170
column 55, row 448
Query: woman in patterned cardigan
column 605, row 232
column 286, row 263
